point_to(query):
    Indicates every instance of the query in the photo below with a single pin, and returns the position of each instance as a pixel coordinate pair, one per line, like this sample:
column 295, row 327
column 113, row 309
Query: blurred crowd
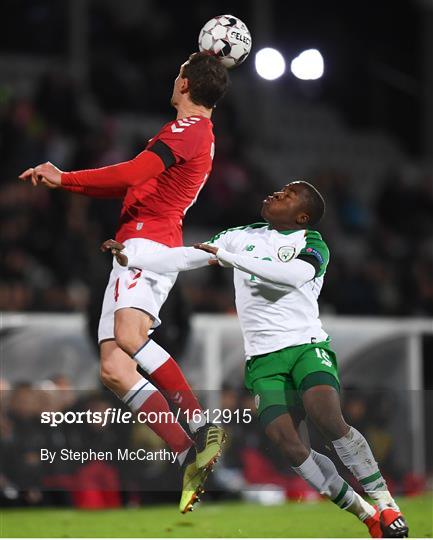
column 250, row 467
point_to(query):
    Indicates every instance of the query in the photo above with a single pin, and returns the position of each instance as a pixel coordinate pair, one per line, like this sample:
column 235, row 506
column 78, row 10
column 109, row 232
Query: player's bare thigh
column 118, row 370
column 131, row 329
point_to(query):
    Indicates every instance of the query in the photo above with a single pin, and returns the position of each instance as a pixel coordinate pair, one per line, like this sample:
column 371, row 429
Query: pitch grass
column 234, row 519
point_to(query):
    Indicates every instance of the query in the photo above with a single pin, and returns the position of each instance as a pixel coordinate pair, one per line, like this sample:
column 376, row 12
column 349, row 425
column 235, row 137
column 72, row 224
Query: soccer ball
column 228, row 38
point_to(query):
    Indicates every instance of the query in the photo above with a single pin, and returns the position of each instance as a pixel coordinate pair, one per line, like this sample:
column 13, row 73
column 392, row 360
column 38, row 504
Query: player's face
column 285, row 206
column 178, row 87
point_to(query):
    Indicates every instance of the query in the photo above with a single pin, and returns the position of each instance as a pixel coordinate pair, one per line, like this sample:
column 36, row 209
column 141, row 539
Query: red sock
column 166, row 427
column 170, row 379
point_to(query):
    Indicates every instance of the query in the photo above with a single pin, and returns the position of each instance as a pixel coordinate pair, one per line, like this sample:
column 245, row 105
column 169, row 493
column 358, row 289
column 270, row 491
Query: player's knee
column 128, row 339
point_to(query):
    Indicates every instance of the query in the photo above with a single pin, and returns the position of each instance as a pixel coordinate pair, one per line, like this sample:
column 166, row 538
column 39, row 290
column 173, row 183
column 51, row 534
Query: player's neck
column 189, row 109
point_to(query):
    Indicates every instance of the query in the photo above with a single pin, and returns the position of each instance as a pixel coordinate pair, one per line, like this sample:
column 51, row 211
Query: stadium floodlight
column 308, row 66
column 270, row 64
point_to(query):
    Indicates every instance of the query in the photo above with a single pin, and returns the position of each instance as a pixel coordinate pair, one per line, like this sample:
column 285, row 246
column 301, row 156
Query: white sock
column 151, row 356
column 325, row 479
column 340, row 491
column 355, row 452
column 138, row 394
column 182, row 456
column 197, row 421
column 320, row 473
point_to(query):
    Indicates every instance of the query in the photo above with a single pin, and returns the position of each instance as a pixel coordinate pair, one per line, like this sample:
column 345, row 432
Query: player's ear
column 303, row 219
column 184, row 85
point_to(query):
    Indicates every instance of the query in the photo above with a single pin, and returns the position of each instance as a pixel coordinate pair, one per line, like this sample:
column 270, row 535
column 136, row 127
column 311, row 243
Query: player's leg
column 316, row 376
column 119, row 374
column 164, row 371
column 132, row 328
column 275, row 395
column 322, row 404
column 319, row 471
column 140, row 296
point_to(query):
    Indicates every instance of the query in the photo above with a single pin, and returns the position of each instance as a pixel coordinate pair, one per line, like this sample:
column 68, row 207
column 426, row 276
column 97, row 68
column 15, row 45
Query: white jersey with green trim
column 275, row 316
column 278, row 276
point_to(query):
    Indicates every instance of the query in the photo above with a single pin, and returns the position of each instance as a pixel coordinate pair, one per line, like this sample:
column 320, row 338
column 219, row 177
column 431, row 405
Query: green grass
column 234, row 519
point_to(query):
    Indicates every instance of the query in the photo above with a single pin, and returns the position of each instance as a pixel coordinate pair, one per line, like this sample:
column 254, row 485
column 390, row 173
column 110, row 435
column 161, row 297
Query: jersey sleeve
column 225, row 239
column 315, row 252
column 293, row 274
column 181, row 139
column 113, row 193
column 176, row 259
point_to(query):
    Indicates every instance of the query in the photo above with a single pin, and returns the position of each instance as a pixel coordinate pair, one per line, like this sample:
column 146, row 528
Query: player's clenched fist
column 46, row 173
column 116, row 250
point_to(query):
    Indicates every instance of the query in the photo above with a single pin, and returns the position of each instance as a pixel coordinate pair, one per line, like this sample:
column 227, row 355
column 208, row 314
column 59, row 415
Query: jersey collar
column 288, row 231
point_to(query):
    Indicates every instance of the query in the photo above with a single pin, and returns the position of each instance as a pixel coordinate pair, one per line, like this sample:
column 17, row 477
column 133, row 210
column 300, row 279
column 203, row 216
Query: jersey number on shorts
column 324, row 356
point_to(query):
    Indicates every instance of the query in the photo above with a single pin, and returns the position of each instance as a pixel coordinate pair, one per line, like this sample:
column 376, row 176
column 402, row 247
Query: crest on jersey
column 286, row 253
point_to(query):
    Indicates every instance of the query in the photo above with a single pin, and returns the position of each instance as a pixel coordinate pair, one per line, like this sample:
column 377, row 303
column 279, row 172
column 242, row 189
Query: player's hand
column 46, row 171
column 209, row 249
column 28, row 174
column 48, row 184
column 116, row 249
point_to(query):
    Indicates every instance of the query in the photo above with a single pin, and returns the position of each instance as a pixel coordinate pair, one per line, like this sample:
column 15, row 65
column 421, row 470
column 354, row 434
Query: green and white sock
column 341, row 493
column 320, row 473
column 355, row 452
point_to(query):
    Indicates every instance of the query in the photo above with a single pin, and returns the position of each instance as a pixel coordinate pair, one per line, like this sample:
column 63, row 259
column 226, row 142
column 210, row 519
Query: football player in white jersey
column 279, row 267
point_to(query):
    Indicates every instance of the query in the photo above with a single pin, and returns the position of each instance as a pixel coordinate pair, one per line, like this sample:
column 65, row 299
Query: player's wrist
column 63, row 178
column 225, row 258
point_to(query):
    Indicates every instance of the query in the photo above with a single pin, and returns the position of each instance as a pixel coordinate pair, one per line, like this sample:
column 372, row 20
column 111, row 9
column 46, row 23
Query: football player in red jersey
column 157, row 186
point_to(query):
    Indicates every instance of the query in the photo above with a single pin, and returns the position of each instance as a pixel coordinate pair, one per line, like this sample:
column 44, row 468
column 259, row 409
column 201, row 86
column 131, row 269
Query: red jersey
column 155, row 209
column 180, row 160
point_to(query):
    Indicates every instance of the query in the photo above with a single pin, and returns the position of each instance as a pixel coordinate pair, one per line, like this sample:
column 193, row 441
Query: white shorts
column 129, row 287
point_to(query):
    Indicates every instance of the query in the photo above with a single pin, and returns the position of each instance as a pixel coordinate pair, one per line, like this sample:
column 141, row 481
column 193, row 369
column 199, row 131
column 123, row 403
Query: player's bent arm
column 294, row 273
column 146, row 165
column 171, row 260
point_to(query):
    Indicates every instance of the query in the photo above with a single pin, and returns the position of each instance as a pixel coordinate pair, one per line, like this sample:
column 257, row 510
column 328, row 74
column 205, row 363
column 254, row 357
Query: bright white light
column 308, row 65
column 270, row 64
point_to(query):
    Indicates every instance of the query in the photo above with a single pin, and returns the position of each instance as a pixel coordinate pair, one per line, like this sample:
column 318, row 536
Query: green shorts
column 278, row 379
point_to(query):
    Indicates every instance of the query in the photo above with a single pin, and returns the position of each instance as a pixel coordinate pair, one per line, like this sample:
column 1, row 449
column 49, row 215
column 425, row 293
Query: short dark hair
column 207, row 77
column 315, row 203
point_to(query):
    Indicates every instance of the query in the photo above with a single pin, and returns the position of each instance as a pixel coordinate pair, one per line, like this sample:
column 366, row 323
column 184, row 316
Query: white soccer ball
column 227, row 37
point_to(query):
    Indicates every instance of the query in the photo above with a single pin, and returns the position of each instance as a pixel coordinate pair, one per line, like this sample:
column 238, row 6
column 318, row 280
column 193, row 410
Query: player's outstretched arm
column 170, row 260
column 50, row 176
column 121, row 175
column 294, row 273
